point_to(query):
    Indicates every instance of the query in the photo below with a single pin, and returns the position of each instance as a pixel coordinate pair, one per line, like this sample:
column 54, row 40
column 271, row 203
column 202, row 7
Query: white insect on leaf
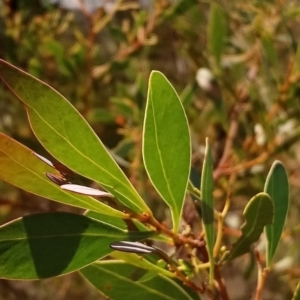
column 84, row 190
column 44, row 159
column 132, row 247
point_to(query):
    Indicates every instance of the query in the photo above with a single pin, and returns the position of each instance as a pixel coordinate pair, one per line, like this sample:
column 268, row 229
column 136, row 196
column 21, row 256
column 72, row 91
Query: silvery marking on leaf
column 132, row 247
column 84, row 190
column 44, row 159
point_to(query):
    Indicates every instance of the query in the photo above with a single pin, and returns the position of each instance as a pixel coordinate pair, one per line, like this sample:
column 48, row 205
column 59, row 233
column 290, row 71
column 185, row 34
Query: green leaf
column 207, row 206
column 21, row 168
column 216, row 31
column 166, row 144
column 270, row 51
column 141, row 262
column 277, row 186
column 258, row 213
column 273, row 66
column 296, row 295
column 116, row 222
column 68, row 137
column 296, row 67
column 187, row 95
column 179, row 8
column 117, row 281
column 125, row 224
column 52, row 244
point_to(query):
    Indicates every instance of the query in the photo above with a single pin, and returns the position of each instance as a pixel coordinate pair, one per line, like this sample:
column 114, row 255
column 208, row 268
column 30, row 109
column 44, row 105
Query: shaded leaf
column 52, row 244
column 179, row 8
column 270, row 51
column 258, row 213
column 277, row 186
column 216, row 31
column 23, row 169
column 187, row 95
column 166, row 144
column 68, row 137
column 296, row 67
column 115, row 280
column 271, row 56
column 207, row 205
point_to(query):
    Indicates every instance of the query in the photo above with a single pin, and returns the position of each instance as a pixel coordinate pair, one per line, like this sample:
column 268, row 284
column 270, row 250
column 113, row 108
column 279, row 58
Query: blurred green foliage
column 247, row 102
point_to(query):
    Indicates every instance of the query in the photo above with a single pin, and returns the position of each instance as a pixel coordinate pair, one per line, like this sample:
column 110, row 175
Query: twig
column 246, row 165
column 262, row 276
column 221, row 286
column 228, row 147
column 123, row 52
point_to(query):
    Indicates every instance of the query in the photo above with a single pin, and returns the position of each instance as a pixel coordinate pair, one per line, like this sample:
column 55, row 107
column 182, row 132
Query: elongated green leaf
column 270, row 51
column 271, row 57
column 23, row 169
column 116, row 222
column 216, row 31
column 277, row 186
column 51, row 244
column 207, row 205
column 187, row 95
column 179, row 8
column 68, row 137
column 296, row 68
column 130, row 224
column 258, row 213
column 296, row 295
column 166, row 144
column 140, row 262
column 117, row 280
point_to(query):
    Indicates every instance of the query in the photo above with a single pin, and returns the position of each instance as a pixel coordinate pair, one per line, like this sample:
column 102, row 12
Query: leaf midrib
column 52, row 236
column 174, row 207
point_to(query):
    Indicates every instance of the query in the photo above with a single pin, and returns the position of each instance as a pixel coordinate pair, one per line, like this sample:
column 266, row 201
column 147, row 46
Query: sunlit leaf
column 23, row 169
column 67, row 136
column 52, row 244
column 258, row 213
column 166, row 144
column 207, row 205
column 117, row 280
column 142, row 262
column 296, row 295
column 277, row 186
column 112, row 220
